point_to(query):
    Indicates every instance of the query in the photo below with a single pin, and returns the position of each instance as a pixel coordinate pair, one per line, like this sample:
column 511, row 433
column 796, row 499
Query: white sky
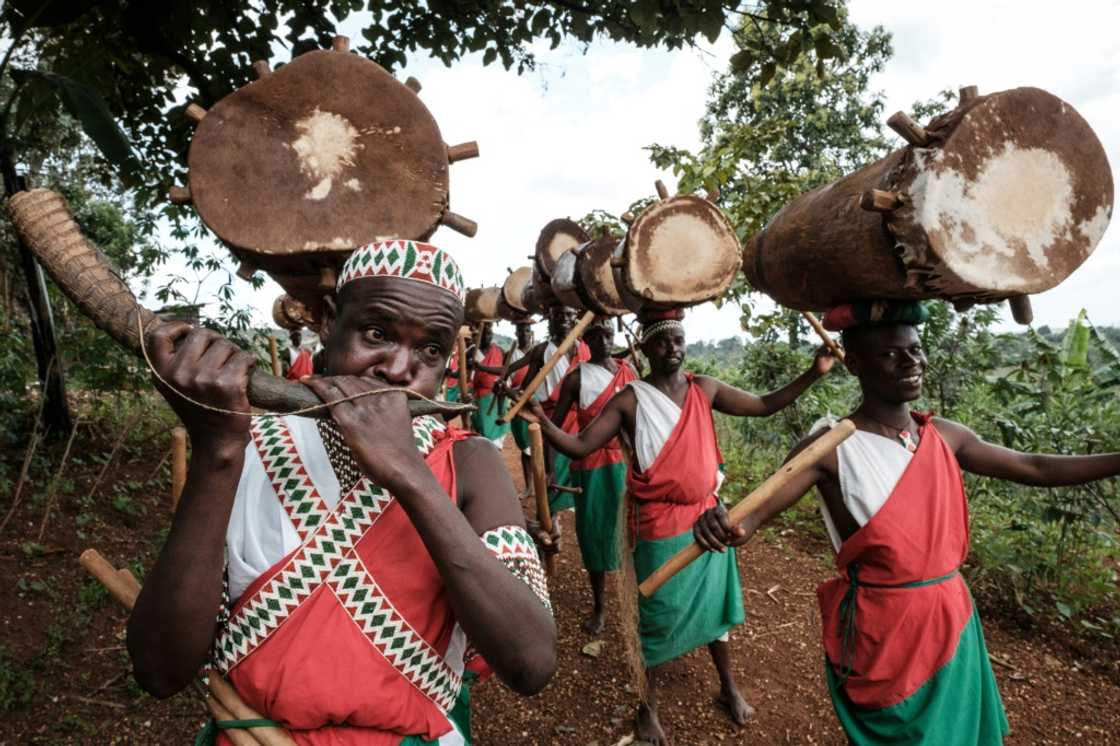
column 569, row 137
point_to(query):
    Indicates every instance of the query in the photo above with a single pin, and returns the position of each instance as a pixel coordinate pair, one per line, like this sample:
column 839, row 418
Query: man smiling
column 905, row 656
column 371, row 558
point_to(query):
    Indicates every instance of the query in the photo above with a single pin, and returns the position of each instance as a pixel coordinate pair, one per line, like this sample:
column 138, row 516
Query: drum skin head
column 514, row 286
column 482, row 304
column 679, row 252
column 325, row 154
column 596, row 278
column 557, row 237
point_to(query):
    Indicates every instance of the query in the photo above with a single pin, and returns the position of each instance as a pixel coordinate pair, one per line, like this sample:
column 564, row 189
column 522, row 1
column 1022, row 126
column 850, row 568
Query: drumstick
column 237, row 736
column 275, row 354
column 540, row 489
column 821, row 447
column 630, row 343
column 464, row 379
column 502, row 376
column 566, row 488
column 123, row 586
column 837, row 350
column 561, row 351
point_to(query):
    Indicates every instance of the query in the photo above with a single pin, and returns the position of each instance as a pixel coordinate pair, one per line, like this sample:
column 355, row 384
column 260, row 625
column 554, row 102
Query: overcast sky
column 568, row 137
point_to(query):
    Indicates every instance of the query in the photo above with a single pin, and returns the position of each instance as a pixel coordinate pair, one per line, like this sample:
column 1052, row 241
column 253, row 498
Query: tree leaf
column 742, row 60
column 90, row 110
column 644, row 15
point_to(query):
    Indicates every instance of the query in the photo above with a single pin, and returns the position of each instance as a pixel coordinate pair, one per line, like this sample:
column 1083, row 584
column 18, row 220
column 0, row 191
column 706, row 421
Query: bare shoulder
column 829, row 464
column 708, row 384
column 476, row 453
column 486, row 494
column 953, row 433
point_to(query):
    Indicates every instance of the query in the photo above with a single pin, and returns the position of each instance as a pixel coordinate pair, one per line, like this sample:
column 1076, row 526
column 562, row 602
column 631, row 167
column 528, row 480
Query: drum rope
column 304, row 410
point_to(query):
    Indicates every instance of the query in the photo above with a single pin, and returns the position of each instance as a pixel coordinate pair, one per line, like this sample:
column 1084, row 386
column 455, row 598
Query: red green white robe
column 906, row 660
column 548, row 394
column 673, row 481
column 601, row 475
column 340, row 629
column 485, row 421
column 519, row 427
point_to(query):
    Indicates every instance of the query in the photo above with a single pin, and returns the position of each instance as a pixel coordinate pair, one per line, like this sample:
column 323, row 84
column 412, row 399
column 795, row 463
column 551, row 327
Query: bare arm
column 509, row 626
column 569, row 393
column 172, row 624
column 739, row 403
column 593, row 437
column 978, row 456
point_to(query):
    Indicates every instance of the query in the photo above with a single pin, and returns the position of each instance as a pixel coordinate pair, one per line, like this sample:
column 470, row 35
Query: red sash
column 353, row 627
column 571, row 420
column 301, row 367
column 611, row 453
column 483, row 383
column 680, row 484
column 902, row 635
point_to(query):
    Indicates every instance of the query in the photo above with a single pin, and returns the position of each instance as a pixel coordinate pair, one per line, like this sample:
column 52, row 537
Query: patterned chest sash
column 327, row 558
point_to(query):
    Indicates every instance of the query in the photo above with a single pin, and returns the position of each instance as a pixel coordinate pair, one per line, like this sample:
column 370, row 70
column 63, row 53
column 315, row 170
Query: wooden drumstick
column 178, row 465
column 124, row 587
column 832, row 344
column 237, row 736
column 464, row 379
column 119, row 588
column 561, row 350
column 274, row 352
column 268, row 735
column 540, row 489
column 821, row 447
column 502, row 376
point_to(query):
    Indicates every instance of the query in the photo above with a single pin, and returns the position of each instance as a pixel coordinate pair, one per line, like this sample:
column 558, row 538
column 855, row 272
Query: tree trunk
column 56, row 410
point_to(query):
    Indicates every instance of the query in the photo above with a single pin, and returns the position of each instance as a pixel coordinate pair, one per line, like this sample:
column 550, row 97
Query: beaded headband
column 660, row 327
column 408, row 260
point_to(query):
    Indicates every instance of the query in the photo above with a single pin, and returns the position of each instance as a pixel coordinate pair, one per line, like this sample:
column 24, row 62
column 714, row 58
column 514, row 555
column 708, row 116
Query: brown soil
column 63, row 668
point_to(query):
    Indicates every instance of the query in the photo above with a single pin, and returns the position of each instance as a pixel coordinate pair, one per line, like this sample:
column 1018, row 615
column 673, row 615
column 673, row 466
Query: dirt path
column 1051, row 696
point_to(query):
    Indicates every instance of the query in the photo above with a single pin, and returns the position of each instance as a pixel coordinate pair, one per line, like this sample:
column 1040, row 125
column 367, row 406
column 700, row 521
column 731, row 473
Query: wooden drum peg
column 179, row 195
column 879, row 200
column 340, row 43
column 413, row 84
column 459, row 224
column 246, row 270
column 662, row 190
column 328, row 278
column 908, row 129
column 628, row 217
column 713, row 196
column 261, row 68
column 1021, row 309
column 967, row 93
column 462, row 151
column 195, row 113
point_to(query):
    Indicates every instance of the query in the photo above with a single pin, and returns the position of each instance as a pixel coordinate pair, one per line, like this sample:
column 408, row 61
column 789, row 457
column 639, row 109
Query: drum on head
column 514, row 287
column 555, row 238
column 596, row 285
column 482, row 304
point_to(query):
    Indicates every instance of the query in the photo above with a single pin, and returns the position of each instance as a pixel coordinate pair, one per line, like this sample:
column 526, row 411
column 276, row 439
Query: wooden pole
column 821, row 447
column 275, row 353
column 561, row 351
column 123, row 587
column 540, row 489
column 178, row 464
column 832, row 344
column 464, row 378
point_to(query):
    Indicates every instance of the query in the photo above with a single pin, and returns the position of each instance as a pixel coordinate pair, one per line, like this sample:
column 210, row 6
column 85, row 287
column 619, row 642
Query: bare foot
column 649, row 727
column 593, row 625
column 734, row 703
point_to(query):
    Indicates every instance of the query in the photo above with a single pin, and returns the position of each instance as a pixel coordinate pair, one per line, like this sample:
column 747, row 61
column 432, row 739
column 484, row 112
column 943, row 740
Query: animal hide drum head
column 596, row 279
column 679, row 252
column 557, row 237
column 514, row 286
column 1013, row 199
column 325, row 154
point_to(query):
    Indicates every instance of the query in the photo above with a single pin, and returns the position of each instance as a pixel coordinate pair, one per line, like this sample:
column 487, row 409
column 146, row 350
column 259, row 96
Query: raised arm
column 172, row 624
column 593, row 437
column 507, row 623
column 739, row 403
column 569, row 394
column 978, row 456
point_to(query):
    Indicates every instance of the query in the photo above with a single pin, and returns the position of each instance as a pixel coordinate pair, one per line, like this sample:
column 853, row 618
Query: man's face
column 524, row 336
column 599, row 341
column 486, row 336
column 400, row 333
column 665, row 351
column 889, row 362
column 296, row 339
column 561, row 319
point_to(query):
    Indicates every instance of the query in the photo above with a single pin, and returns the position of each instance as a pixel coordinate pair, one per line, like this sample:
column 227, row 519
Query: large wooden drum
column 680, row 251
column 482, row 304
column 596, row 285
column 514, row 288
column 555, row 238
column 1005, row 195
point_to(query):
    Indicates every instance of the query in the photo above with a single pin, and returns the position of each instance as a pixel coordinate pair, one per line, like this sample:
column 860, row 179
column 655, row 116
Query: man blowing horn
column 675, row 477
column 371, row 560
column 905, row 656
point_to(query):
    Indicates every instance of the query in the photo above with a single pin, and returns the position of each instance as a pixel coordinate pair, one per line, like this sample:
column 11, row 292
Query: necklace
column 902, row 433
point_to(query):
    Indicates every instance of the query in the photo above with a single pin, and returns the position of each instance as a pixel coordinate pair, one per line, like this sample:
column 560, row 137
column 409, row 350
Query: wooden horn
column 85, row 276
column 561, row 350
column 819, row 448
column 540, row 488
